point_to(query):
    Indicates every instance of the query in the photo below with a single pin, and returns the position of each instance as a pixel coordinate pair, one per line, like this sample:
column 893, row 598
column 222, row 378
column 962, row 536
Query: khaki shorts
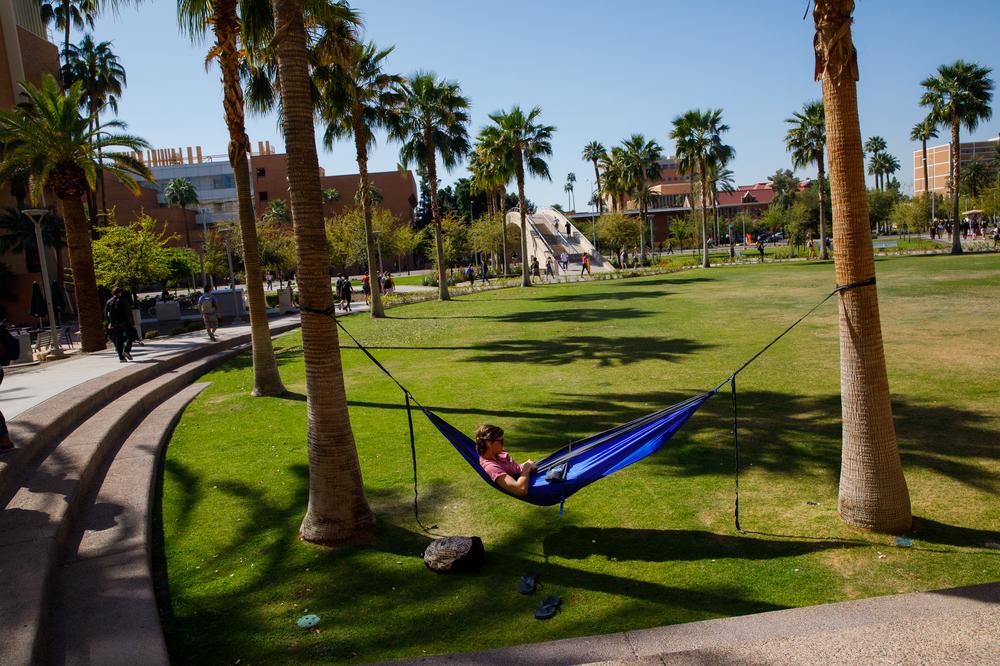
column 211, row 320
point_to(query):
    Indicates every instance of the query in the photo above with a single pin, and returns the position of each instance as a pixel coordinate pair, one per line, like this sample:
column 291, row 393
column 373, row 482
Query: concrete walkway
column 956, row 626
column 25, row 386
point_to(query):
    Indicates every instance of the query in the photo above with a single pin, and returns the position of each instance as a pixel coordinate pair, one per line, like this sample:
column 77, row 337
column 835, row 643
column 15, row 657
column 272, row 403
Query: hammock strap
column 331, row 313
column 736, row 447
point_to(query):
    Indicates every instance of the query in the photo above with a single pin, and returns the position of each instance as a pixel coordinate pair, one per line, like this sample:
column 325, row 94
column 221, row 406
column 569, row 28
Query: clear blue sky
column 599, row 71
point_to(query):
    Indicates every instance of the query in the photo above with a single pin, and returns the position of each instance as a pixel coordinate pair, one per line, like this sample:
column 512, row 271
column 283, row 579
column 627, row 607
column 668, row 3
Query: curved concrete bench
column 104, row 607
column 47, row 498
column 47, row 422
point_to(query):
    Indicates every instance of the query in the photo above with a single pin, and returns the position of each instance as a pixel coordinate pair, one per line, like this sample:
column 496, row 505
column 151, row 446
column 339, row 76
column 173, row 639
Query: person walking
column 208, row 306
column 548, row 269
column 10, row 351
column 118, row 314
column 585, row 264
column 270, row 281
column 760, row 247
column 346, row 290
column 533, row 268
column 470, row 274
column 366, row 288
column 564, row 260
column 484, row 272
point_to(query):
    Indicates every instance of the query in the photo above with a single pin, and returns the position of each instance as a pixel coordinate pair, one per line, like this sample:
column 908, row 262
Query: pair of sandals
column 549, row 606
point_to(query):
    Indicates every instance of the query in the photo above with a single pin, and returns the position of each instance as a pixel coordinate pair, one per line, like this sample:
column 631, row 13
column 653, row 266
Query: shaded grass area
column 651, row 545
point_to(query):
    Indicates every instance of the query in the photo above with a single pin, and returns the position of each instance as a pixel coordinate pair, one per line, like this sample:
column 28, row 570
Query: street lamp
column 237, row 306
column 36, row 215
column 378, row 244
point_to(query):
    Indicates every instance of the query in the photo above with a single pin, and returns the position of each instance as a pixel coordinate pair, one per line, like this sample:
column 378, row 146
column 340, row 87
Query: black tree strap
column 736, row 447
column 732, row 378
column 330, row 312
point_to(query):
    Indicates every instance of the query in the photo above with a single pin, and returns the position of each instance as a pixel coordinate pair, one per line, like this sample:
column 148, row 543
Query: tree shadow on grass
column 225, row 618
column 622, row 544
column 780, row 433
column 282, row 355
column 607, row 351
column 612, row 295
column 575, row 315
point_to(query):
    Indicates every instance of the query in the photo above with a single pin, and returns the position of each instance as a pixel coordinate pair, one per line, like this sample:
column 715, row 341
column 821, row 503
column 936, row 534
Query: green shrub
column 271, row 300
column 149, row 335
column 178, row 330
column 192, row 326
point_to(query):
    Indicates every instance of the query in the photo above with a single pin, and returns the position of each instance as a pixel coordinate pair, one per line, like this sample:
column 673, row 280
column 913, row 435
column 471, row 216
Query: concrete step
column 37, row 520
column 104, row 607
column 49, row 421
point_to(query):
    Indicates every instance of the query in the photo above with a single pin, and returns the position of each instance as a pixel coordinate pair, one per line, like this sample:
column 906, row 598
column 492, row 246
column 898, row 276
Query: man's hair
column 117, row 291
column 208, row 288
column 487, row 433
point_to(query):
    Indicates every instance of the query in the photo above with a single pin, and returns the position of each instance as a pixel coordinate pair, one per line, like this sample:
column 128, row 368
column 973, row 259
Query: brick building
column 939, row 163
column 25, row 55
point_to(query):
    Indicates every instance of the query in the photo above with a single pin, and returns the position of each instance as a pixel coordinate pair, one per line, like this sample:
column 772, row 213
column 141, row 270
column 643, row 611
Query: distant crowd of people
column 971, row 230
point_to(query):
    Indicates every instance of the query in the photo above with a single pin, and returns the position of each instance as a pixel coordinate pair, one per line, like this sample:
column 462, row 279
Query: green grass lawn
column 653, row 544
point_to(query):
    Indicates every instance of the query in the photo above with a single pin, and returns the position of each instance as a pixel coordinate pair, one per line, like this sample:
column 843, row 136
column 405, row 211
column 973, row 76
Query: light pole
column 36, row 215
column 378, row 244
column 237, row 306
column 204, row 244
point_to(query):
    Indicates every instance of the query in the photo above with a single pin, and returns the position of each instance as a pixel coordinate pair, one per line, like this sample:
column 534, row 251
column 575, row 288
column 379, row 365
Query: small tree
column 615, row 231
column 132, row 255
column 181, row 263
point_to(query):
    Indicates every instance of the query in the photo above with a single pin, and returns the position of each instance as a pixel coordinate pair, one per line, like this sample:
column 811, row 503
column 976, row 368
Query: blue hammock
column 580, row 463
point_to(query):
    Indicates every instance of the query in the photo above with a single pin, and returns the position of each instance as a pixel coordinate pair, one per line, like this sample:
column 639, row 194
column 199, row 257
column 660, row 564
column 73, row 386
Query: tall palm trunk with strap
column 821, row 176
column 267, row 381
column 338, row 512
column 873, row 492
column 956, row 225
column 81, row 260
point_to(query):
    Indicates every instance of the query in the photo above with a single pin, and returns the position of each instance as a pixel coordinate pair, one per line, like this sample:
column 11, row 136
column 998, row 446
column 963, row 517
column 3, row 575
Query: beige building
column 939, row 163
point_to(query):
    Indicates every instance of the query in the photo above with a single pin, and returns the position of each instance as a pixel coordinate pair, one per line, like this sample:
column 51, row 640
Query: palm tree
column 721, row 179
column 616, row 183
column 51, row 139
column 874, row 147
column 873, row 492
column 976, row 176
column 784, row 184
column 806, row 141
column 434, row 121
column 524, row 139
column 570, row 179
column 594, row 152
column 102, row 76
column 196, row 17
column 493, row 169
column 923, row 132
column 338, row 512
column 642, row 163
column 700, row 149
column 959, row 94
column 65, row 13
column 180, row 193
column 888, row 165
column 357, row 98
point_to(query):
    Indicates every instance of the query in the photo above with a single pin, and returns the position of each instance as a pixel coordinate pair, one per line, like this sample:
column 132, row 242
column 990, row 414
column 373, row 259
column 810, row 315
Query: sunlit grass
column 650, row 545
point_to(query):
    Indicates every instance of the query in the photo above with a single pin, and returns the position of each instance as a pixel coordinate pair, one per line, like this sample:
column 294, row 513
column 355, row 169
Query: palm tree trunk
column 502, row 207
column 956, row 226
column 642, row 223
column 521, row 203
column 600, row 199
column 873, row 492
column 266, row 380
column 436, row 215
column 66, row 21
column 338, row 512
column 81, row 260
column 704, row 216
column 377, row 312
column 821, row 177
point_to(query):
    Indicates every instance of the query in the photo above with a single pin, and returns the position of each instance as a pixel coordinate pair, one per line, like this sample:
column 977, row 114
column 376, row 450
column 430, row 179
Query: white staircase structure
column 550, row 233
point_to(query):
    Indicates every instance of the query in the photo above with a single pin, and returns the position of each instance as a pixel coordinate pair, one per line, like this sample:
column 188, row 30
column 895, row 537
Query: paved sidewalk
column 28, row 385
column 955, row 626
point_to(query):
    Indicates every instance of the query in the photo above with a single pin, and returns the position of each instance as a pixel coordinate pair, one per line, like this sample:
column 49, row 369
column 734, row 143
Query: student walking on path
column 208, row 306
column 118, row 314
column 548, row 269
column 585, row 264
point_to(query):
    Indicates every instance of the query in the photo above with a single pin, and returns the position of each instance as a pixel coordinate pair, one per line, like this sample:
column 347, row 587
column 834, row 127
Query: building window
column 223, row 182
column 263, row 195
column 260, row 172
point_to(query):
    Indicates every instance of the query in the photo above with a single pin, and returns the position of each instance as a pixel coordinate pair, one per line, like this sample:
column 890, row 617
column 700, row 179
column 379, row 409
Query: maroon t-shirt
column 503, row 464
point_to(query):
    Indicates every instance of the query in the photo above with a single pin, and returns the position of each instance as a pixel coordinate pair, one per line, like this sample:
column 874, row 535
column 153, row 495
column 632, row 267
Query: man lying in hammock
column 498, row 464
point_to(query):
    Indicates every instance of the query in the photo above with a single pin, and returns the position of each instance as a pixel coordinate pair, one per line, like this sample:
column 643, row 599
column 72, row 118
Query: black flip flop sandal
column 548, row 608
column 528, row 583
